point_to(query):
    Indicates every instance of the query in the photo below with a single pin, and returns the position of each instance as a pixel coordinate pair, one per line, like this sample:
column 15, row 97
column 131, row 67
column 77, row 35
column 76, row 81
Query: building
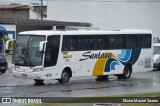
column 14, row 11
column 16, row 18
column 36, row 11
column 108, row 14
column 14, row 26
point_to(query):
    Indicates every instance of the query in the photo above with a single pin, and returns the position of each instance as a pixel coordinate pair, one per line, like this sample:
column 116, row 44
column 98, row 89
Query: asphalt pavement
column 79, row 87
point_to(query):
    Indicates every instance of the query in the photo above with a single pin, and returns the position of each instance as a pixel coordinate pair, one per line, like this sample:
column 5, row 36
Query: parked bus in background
column 156, row 39
column 59, row 55
column 156, row 55
column 3, row 61
column 2, row 34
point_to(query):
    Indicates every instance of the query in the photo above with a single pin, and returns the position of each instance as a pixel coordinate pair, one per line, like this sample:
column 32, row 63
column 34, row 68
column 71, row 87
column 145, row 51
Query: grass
column 153, row 94
column 110, row 99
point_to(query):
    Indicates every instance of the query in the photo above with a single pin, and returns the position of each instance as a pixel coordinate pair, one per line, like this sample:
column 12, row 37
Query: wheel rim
column 127, row 72
column 65, row 77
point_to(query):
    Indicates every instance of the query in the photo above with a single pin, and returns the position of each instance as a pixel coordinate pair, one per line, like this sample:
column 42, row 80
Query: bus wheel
column 126, row 73
column 102, row 78
column 38, row 81
column 120, row 76
column 158, row 66
column 64, row 77
column 3, row 71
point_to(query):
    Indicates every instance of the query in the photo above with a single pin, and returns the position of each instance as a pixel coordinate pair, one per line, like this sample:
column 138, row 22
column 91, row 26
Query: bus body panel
column 92, row 62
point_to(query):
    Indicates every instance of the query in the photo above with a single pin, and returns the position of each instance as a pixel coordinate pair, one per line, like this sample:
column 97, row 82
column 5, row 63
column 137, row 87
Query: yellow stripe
column 69, row 56
column 100, row 65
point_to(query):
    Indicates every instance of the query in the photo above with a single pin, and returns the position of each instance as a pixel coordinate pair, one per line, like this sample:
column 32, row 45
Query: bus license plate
column 24, row 75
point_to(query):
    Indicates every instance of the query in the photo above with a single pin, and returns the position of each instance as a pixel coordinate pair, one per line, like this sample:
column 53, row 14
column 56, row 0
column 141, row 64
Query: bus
column 60, row 55
column 3, row 33
column 156, row 55
column 1, row 44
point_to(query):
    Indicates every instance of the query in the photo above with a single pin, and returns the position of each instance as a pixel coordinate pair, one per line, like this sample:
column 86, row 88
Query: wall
column 14, row 14
column 35, row 15
column 109, row 14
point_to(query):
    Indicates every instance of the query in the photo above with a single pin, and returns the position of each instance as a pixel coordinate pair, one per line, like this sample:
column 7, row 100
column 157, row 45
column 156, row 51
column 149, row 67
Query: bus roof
column 79, row 32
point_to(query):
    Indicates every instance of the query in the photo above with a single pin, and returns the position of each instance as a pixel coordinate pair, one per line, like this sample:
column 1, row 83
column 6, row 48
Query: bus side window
column 65, row 44
column 69, row 43
column 144, row 41
column 112, row 42
column 120, row 42
column 85, row 43
column 131, row 42
column 99, row 42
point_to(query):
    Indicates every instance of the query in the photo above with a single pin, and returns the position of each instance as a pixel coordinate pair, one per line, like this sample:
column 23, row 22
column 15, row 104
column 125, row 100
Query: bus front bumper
column 29, row 75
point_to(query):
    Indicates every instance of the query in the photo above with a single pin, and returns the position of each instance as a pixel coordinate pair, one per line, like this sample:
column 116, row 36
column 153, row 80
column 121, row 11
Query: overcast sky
column 38, row 2
column 22, row 1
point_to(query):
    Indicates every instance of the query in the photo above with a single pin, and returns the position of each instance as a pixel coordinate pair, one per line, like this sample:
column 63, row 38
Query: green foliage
column 6, row 38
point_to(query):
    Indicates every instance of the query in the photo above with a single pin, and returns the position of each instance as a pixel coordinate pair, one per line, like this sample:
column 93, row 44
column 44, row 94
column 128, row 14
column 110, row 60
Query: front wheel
column 64, row 77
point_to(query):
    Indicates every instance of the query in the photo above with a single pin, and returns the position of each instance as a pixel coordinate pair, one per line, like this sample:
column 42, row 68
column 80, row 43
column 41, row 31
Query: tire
column 102, row 78
column 3, row 71
column 120, row 76
column 158, row 67
column 64, row 77
column 126, row 73
column 38, row 81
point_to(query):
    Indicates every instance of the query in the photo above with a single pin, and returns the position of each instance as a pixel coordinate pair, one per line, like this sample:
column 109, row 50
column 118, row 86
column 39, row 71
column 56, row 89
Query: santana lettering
column 89, row 55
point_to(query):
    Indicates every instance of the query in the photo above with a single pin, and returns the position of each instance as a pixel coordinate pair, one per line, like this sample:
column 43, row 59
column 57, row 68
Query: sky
column 45, row 1
column 28, row 2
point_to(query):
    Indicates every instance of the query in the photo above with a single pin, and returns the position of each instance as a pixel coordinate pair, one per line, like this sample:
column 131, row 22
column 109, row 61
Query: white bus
column 156, row 55
column 59, row 55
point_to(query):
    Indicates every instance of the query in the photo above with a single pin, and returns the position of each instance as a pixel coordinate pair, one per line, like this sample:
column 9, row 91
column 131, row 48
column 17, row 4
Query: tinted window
column 120, row 42
column 131, row 41
column 156, row 40
column 99, row 42
column 85, row 43
column 112, row 42
column 69, row 43
column 52, row 50
column 144, row 41
column 156, row 50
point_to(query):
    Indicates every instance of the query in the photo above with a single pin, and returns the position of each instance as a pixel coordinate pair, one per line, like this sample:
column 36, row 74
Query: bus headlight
column 37, row 70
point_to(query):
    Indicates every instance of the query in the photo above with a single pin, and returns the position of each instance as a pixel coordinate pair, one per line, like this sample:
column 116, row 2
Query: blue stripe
column 108, row 64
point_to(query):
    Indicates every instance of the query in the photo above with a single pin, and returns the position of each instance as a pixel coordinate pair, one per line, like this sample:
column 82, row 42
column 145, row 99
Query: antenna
column 41, row 9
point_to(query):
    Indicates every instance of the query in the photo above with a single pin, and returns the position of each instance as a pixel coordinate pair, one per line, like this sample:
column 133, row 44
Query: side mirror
column 41, row 45
column 7, row 43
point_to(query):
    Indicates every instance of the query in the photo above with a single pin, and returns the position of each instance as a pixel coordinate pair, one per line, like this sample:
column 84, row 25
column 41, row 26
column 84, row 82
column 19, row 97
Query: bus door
column 52, row 51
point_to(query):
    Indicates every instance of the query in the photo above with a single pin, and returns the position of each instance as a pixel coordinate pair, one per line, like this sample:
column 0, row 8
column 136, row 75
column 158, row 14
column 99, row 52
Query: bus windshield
column 156, row 50
column 26, row 51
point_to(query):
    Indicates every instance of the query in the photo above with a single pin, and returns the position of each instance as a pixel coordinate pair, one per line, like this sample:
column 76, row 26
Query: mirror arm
column 41, row 45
